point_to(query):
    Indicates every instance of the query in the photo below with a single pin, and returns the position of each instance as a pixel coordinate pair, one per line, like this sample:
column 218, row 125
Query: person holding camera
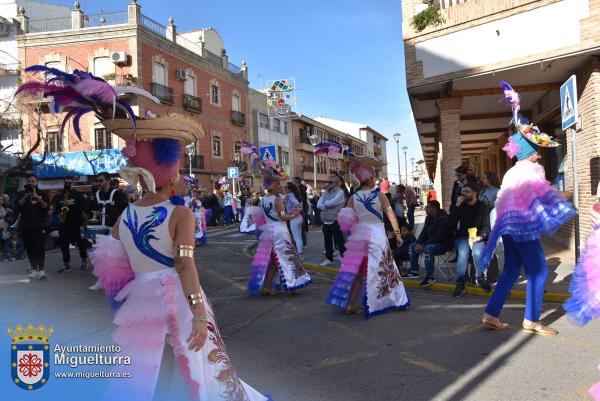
column 32, row 206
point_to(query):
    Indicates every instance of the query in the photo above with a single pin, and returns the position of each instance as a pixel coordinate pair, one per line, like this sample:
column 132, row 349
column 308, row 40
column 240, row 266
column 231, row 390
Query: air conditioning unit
column 119, row 57
column 181, row 74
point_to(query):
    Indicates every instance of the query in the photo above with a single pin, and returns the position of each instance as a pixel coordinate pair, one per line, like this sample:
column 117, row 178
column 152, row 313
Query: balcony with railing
column 192, row 103
column 132, row 17
column 197, row 162
column 238, row 118
column 163, row 93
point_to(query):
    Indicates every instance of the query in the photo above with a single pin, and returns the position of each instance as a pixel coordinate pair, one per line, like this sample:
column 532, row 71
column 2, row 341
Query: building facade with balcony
column 376, row 142
column 129, row 48
column 307, row 131
column 266, row 131
column 452, row 74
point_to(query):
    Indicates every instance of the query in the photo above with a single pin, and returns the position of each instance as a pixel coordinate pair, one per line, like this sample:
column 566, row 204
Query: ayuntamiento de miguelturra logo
column 30, row 355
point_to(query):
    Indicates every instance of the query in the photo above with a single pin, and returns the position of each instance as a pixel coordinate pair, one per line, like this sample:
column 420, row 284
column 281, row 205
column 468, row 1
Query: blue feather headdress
column 80, row 93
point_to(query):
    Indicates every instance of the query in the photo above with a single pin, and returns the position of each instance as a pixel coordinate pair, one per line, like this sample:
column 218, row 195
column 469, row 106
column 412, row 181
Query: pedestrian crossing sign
column 268, row 153
column 568, row 102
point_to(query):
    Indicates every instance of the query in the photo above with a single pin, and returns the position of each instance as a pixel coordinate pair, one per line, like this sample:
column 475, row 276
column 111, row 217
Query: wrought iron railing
column 237, row 117
column 234, row 68
column 197, row 162
column 8, row 160
column 49, row 25
column 163, row 93
column 153, row 26
column 192, row 103
column 106, row 19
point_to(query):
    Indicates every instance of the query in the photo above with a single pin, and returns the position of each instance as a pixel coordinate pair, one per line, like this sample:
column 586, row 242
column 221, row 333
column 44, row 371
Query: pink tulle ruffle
column 259, row 217
column 523, row 183
column 347, row 219
column 111, row 264
column 357, row 248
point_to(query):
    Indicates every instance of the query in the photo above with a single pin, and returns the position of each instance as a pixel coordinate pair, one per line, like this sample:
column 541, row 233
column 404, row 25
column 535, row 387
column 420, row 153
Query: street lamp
column 314, row 139
column 412, row 169
column 190, row 150
column 397, row 139
column 404, row 149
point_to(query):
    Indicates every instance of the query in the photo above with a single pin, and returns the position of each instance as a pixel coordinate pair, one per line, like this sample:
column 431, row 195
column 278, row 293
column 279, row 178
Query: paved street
column 299, row 348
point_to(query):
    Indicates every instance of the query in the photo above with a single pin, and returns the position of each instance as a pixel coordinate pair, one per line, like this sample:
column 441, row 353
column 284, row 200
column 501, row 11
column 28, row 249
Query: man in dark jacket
column 69, row 204
column 108, row 201
column 470, row 220
column 462, row 177
column 434, row 240
column 32, row 206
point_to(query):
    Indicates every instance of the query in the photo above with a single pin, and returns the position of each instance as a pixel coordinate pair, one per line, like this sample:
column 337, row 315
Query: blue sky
column 346, row 55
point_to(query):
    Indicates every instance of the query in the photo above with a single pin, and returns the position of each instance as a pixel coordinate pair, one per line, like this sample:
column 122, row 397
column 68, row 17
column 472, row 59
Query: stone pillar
column 172, row 30
column 23, row 21
column 225, row 59
column 449, row 154
column 77, row 17
column 244, row 69
column 134, row 11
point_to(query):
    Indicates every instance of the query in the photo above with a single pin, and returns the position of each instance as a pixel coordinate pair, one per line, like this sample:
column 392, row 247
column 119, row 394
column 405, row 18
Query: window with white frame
column 103, row 66
column 214, row 94
column 216, row 146
column 103, row 139
column 263, row 120
column 52, row 141
column 235, row 102
column 285, row 158
column 159, row 74
column 189, row 87
column 237, row 147
column 276, row 125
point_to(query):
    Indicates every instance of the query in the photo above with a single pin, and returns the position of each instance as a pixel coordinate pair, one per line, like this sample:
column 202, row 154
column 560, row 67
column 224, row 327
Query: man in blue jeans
column 470, row 220
column 434, row 240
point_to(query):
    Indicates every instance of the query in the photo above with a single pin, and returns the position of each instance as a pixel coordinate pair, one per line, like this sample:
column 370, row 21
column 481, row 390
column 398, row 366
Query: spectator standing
column 462, row 177
column 330, row 203
column 108, row 201
column 33, row 206
column 397, row 201
column 13, row 247
column 303, row 192
column 3, row 213
column 315, row 211
column 410, row 198
column 228, row 207
column 471, row 219
column 292, row 203
column 431, row 195
column 384, row 186
column 68, row 206
column 434, row 240
column 211, row 204
column 491, row 186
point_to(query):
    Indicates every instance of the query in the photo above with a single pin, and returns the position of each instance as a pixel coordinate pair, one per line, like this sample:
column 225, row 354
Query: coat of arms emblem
column 30, row 355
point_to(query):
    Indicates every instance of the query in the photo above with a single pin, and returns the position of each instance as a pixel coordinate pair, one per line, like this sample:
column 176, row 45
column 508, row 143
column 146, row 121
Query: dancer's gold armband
column 184, row 251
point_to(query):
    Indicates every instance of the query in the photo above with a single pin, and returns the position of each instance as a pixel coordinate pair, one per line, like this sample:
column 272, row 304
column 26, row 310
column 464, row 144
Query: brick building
column 452, row 73
column 129, row 48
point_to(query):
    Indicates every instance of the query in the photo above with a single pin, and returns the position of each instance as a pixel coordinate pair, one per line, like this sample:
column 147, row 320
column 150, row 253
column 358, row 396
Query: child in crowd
column 13, row 247
column 402, row 253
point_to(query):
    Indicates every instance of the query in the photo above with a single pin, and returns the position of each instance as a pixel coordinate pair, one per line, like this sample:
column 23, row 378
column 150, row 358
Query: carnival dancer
column 200, row 221
column 527, row 207
column 368, row 272
column 276, row 252
column 584, row 304
column 248, row 225
column 165, row 323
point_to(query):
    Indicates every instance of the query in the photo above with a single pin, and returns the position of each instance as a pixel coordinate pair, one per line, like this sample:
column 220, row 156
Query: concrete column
column 172, row 30
column 449, row 154
column 134, row 11
column 23, row 21
column 77, row 17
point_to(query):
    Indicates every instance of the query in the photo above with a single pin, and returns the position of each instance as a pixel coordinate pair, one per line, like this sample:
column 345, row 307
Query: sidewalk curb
column 449, row 288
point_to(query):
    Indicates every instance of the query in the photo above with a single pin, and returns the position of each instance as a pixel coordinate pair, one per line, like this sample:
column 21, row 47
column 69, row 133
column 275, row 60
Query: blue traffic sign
column 233, row 172
column 568, row 102
column 268, row 152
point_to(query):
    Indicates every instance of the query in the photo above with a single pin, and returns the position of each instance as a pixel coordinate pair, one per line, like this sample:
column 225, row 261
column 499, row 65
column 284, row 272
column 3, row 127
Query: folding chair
column 441, row 263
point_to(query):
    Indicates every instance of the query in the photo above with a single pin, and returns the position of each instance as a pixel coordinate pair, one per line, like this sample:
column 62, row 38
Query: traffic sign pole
column 575, row 192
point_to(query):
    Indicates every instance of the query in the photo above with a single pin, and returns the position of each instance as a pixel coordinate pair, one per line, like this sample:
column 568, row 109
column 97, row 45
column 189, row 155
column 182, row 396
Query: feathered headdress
column 328, row 147
column 251, row 151
column 529, row 131
column 80, row 93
